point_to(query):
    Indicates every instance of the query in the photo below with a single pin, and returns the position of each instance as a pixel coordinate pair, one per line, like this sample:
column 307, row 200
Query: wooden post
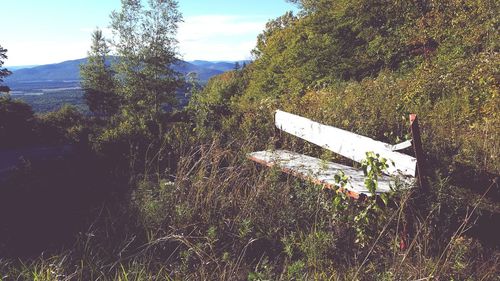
column 277, row 135
column 277, row 138
column 419, row 152
column 407, row 232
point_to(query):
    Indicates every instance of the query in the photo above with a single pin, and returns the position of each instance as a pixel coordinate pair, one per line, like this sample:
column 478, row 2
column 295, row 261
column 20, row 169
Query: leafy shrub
column 17, row 122
column 62, row 126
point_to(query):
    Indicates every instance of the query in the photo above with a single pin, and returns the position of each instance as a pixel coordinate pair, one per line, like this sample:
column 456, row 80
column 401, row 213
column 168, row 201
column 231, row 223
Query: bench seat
column 322, row 172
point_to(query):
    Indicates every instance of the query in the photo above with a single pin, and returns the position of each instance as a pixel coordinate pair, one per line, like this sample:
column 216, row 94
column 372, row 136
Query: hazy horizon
column 16, row 67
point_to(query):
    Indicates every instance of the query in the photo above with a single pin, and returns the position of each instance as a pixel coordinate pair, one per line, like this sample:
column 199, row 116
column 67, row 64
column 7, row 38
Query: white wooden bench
column 349, row 145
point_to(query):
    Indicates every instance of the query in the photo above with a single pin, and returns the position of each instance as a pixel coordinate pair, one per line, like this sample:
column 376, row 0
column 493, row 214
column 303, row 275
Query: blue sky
column 50, row 31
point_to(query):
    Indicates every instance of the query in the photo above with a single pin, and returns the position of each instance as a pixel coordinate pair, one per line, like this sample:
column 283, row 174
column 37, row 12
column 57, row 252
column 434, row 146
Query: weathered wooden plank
column 345, row 143
column 401, row 146
column 319, row 171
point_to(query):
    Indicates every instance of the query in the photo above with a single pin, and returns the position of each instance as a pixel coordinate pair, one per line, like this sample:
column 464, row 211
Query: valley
column 48, row 87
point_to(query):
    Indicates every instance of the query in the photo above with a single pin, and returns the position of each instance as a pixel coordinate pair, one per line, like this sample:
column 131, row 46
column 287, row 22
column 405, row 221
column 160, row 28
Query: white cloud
column 208, row 37
column 44, row 52
column 219, row 37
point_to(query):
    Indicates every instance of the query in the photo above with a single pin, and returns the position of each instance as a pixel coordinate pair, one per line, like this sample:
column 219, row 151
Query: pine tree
column 3, row 71
column 237, row 66
column 97, row 79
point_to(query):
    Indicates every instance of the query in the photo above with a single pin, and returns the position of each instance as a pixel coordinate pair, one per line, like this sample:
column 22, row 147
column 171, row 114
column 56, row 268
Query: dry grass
column 225, row 218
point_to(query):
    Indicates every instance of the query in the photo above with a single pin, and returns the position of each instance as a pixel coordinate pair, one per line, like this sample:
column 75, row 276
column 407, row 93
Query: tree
column 144, row 40
column 97, row 79
column 17, row 122
column 3, row 71
column 62, row 126
column 236, row 66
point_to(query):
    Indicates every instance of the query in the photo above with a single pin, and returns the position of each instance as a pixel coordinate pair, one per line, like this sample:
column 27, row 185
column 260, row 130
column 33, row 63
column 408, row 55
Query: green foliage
column 153, row 201
column 444, row 70
column 144, row 40
column 124, row 142
column 20, row 127
column 372, row 167
column 212, row 107
column 3, row 71
column 17, row 122
column 63, row 126
column 334, row 41
column 98, row 80
column 136, row 91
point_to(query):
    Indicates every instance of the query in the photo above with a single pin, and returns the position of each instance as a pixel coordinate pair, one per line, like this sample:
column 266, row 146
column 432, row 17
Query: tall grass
column 225, row 218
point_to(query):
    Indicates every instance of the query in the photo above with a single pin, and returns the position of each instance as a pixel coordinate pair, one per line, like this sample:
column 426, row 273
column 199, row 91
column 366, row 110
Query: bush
column 67, row 125
column 17, row 123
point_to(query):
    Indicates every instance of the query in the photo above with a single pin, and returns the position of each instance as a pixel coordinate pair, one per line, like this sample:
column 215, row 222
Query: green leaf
column 384, row 198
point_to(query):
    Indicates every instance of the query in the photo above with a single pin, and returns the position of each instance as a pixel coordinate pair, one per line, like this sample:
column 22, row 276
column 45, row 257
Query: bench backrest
column 345, row 143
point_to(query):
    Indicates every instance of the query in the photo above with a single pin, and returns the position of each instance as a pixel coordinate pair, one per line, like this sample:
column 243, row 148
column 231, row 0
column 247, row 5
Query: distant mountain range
column 12, row 68
column 69, row 72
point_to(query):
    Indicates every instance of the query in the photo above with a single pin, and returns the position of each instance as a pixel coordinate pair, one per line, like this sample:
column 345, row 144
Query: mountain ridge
column 69, row 71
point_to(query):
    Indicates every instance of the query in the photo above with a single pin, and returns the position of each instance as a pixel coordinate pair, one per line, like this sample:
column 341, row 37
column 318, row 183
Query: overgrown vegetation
column 178, row 200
